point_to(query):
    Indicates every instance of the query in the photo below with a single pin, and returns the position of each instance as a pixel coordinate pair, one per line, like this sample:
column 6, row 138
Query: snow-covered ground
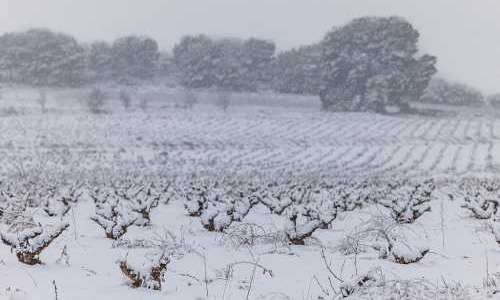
column 258, row 143
column 462, row 250
column 290, row 137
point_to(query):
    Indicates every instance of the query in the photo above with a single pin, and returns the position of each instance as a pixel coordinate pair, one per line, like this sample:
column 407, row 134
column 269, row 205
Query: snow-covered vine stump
column 409, row 201
column 303, row 221
column 30, row 242
column 407, row 254
column 402, row 246
column 353, row 285
column 481, row 198
column 216, row 217
column 142, row 200
column 146, row 274
column 196, row 196
column 56, row 207
column 113, row 218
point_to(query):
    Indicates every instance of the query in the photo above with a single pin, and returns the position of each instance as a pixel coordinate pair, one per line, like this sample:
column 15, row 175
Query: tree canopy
column 372, row 62
column 229, row 63
column 41, row 57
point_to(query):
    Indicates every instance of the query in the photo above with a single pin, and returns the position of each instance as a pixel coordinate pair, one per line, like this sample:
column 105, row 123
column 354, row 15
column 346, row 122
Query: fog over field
column 461, row 32
column 257, row 150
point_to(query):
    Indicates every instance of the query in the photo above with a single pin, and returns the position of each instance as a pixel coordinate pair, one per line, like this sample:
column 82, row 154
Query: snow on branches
column 57, row 200
column 196, row 196
column 141, row 198
column 219, row 203
column 13, row 207
column 147, row 273
column 111, row 214
column 306, row 206
column 408, row 201
column 123, row 204
column 394, row 241
column 147, row 270
column 29, row 242
column 481, row 197
column 303, row 221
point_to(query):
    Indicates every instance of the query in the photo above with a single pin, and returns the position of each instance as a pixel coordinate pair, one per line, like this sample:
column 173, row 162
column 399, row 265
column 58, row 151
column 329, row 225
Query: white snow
column 249, row 148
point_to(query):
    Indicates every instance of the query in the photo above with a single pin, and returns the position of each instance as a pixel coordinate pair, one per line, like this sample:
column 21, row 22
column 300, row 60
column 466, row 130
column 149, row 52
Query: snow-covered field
column 258, row 156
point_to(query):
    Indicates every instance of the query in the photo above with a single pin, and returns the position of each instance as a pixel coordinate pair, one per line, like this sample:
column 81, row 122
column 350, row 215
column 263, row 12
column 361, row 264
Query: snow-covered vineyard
column 242, row 141
column 257, row 202
column 249, row 150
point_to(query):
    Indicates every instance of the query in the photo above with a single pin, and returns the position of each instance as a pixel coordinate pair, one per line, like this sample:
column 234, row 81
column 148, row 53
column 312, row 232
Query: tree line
column 368, row 64
column 41, row 57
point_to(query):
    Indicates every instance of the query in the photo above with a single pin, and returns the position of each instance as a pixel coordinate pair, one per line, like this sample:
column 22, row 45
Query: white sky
column 464, row 34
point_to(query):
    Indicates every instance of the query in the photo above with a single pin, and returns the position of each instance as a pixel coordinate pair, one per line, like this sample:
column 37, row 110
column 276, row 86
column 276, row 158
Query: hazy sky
column 464, row 34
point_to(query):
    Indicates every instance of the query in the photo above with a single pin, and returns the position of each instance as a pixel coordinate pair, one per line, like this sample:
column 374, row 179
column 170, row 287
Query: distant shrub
column 223, row 99
column 144, row 103
column 125, row 99
column 42, row 100
column 493, row 100
column 95, row 100
column 11, row 111
column 188, row 98
column 441, row 91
